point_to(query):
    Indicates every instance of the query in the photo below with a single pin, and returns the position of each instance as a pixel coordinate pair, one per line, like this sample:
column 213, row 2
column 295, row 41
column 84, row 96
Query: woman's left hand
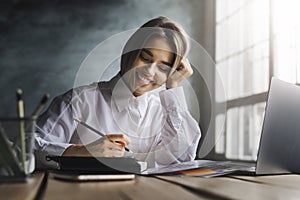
column 183, row 71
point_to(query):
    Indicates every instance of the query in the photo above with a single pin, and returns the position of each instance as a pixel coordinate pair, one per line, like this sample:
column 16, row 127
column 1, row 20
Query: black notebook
column 96, row 165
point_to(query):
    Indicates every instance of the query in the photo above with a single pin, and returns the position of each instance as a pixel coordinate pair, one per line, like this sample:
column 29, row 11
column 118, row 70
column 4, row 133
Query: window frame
column 242, row 101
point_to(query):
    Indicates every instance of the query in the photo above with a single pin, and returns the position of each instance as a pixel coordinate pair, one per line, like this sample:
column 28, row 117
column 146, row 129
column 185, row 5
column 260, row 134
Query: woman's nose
column 151, row 68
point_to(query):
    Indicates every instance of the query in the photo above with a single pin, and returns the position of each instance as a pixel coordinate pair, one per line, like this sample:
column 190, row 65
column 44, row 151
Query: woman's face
column 152, row 67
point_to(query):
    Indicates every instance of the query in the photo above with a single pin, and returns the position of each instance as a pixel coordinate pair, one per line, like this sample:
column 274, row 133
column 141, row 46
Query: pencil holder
column 16, row 146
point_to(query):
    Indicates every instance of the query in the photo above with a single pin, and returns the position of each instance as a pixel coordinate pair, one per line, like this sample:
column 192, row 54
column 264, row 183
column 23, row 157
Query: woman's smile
column 143, row 80
column 152, row 67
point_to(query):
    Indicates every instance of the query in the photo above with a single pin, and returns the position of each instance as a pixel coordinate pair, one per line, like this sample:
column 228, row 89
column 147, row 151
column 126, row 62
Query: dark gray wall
column 43, row 42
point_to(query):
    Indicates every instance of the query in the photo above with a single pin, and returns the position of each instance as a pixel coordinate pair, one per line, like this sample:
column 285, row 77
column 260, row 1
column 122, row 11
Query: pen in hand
column 95, row 130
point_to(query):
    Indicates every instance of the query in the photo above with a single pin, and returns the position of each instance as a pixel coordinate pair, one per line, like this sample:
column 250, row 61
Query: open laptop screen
column 280, row 141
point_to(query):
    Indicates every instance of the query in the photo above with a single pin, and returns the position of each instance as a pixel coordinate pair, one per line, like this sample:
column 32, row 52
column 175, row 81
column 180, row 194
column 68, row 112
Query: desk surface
column 171, row 187
column 23, row 191
column 160, row 187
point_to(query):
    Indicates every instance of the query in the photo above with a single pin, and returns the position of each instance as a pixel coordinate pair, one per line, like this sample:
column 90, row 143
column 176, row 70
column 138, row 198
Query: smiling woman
column 151, row 68
column 157, row 128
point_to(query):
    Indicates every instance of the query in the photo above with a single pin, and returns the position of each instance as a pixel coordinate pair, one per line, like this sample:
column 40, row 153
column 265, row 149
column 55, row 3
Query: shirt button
column 135, row 103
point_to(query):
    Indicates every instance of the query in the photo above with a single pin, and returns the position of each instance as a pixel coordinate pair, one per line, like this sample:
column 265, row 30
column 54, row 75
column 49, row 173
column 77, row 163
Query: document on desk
column 201, row 168
column 178, row 167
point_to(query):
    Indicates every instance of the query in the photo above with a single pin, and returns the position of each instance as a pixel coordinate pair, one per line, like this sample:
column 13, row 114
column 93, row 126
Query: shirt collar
column 121, row 94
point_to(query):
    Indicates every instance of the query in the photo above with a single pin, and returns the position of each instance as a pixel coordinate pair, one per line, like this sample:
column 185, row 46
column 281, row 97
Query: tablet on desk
column 94, row 177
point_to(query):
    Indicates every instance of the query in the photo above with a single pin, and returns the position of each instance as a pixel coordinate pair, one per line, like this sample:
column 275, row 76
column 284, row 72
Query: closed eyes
column 146, row 56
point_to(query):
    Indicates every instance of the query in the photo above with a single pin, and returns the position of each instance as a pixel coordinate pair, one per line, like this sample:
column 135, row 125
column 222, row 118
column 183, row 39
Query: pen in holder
column 16, row 152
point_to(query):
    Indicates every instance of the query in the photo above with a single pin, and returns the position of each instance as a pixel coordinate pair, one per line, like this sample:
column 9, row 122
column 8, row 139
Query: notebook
column 96, row 165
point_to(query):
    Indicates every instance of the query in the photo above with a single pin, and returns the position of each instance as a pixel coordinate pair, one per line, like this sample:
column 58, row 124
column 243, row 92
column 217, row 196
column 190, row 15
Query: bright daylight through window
column 255, row 40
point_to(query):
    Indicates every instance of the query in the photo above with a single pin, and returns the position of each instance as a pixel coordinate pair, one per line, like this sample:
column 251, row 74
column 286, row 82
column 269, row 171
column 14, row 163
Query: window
column 255, row 40
column 286, row 38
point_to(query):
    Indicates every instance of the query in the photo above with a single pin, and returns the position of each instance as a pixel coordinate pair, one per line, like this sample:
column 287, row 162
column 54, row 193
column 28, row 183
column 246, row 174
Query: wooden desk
column 159, row 187
column 144, row 188
column 23, row 191
column 242, row 187
column 170, row 187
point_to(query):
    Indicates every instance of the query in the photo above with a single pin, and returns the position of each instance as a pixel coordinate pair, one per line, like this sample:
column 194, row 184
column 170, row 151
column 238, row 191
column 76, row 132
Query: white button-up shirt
column 160, row 127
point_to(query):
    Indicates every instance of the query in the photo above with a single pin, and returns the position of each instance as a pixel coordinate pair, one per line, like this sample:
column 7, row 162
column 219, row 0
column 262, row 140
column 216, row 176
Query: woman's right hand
column 112, row 145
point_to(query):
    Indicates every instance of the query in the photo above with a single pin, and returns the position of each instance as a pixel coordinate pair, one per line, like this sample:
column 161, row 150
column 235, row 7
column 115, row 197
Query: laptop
column 279, row 147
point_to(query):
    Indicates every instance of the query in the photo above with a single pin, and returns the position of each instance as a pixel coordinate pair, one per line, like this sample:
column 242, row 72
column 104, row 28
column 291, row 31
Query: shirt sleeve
column 180, row 134
column 54, row 129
